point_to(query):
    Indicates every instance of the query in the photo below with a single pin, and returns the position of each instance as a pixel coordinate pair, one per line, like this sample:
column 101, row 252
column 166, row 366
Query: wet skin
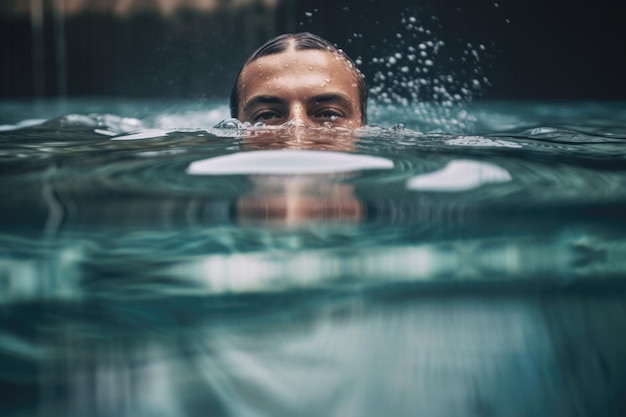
column 318, row 88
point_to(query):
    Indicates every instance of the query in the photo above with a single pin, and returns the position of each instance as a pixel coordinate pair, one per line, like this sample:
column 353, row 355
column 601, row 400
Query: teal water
column 469, row 262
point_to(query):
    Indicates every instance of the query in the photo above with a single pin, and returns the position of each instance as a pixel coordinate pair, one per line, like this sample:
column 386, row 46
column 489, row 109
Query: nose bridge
column 297, row 110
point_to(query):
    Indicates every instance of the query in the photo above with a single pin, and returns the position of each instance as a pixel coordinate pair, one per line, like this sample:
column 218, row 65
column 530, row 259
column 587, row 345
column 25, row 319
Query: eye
column 331, row 115
column 266, row 115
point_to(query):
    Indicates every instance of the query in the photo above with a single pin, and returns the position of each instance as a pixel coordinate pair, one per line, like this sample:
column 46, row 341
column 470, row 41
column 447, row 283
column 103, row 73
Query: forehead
column 298, row 66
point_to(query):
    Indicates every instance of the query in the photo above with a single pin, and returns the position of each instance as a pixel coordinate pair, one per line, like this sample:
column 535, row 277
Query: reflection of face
column 318, row 87
column 293, row 201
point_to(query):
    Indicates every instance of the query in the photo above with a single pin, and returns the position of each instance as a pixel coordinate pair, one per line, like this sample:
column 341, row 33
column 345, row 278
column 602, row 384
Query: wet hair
column 300, row 42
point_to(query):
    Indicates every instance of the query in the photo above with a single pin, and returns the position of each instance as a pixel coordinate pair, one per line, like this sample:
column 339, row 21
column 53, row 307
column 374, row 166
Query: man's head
column 300, row 76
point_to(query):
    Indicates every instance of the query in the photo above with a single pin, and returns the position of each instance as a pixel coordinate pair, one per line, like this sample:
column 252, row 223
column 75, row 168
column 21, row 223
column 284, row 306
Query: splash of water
column 424, row 75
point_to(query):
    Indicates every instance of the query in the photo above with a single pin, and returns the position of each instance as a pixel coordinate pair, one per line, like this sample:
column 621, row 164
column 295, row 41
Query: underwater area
column 381, row 272
column 463, row 254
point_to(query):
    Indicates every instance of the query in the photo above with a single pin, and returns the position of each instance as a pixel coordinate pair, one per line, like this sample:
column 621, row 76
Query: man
column 300, row 78
column 303, row 80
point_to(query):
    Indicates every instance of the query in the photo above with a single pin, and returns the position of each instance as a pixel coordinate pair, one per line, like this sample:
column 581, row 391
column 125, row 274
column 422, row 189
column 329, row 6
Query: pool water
column 443, row 261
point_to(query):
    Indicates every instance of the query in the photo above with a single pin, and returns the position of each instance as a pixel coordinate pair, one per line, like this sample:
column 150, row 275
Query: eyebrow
column 263, row 99
column 334, row 98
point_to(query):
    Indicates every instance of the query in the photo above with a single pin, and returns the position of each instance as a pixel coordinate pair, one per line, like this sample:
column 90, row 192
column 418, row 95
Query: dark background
column 532, row 49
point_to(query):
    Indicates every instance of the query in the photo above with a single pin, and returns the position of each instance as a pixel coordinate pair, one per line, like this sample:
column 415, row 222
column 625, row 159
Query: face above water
column 316, row 87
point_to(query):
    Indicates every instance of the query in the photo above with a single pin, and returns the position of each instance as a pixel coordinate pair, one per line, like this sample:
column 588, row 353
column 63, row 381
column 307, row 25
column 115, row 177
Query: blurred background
column 193, row 48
